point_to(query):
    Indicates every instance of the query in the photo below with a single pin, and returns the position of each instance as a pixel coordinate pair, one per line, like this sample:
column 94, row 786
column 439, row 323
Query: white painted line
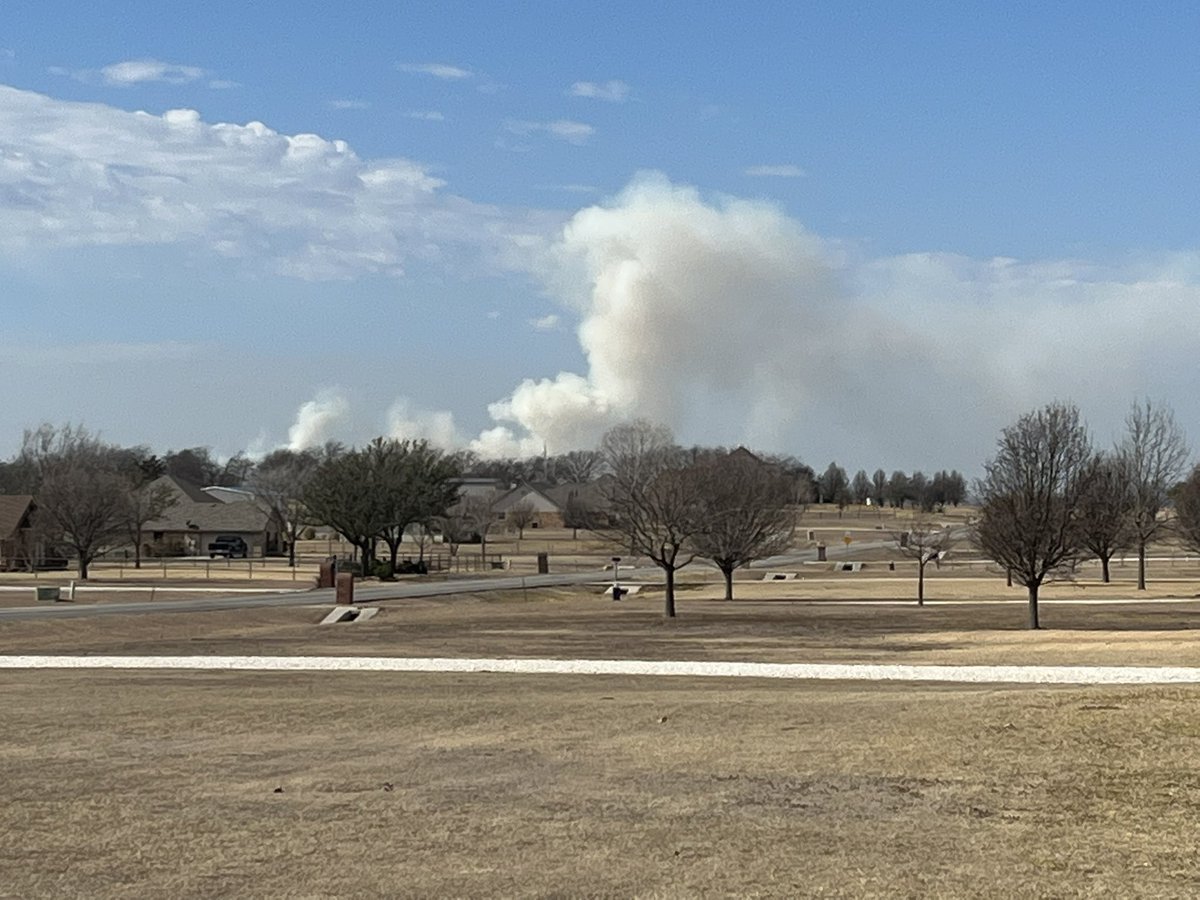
column 703, row 669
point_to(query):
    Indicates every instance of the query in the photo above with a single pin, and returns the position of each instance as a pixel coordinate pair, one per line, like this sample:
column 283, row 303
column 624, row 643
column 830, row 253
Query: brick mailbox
column 345, row 588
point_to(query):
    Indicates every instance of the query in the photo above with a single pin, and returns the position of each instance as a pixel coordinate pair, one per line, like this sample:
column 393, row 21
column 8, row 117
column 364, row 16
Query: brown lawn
column 152, row 784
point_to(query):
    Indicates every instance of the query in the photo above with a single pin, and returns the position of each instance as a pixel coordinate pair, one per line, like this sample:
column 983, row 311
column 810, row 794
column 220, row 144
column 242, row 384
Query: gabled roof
column 194, row 510
column 188, row 489
column 13, row 510
column 527, row 493
column 590, row 493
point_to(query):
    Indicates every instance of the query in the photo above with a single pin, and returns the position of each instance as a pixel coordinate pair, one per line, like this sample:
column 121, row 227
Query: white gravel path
column 796, row 671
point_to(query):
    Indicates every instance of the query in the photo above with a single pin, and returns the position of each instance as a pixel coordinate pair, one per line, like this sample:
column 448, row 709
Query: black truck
column 228, row 545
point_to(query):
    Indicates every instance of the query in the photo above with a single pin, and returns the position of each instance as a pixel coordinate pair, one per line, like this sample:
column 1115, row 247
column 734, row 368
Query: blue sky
column 873, row 233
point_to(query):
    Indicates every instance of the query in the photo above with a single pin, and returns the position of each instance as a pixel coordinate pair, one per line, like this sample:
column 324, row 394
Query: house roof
column 195, row 510
column 13, row 508
column 527, row 493
column 588, row 492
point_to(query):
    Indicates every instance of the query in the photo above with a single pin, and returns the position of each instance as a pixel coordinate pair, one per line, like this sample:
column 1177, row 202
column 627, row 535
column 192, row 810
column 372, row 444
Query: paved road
column 398, row 591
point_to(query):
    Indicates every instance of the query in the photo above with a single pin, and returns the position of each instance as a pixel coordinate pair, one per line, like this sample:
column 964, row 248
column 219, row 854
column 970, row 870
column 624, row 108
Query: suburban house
column 553, row 504
column 16, row 542
column 545, row 512
column 197, row 517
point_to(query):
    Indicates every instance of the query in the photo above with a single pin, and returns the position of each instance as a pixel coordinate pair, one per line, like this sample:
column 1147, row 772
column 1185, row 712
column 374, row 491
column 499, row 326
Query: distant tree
column 579, row 466
column 1187, row 511
column 879, row 487
column 955, row 488
column 235, row 471
column 194, row 464
column 415, row 484
column 522, row 515
column 82, row 492
column 145, row 501
column 278, row 483
column 578, row 513
column 1030, row 496
column 17, row 476
column 654, row 501
column 860, row 487
column 747, row 513
column 342, row 493
column 478, row 512
column 1154, row 453
column 455, row 529
column 833, row 485
column 920, row 493
column 898, row 489
column 1105, row 520
column 925, row 542
column 801, row 477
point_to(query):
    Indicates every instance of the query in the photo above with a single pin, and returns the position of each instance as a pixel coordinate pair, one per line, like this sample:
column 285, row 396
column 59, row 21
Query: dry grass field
column 200, row 784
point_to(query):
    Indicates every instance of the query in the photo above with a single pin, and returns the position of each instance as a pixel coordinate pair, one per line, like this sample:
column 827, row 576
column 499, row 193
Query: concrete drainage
column 354, row 614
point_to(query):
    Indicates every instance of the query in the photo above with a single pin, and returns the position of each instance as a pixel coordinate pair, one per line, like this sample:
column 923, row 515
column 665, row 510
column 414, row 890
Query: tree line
column 1050, row 499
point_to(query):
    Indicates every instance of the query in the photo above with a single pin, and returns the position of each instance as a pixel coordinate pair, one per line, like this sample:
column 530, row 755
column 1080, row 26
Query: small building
column 17, row 550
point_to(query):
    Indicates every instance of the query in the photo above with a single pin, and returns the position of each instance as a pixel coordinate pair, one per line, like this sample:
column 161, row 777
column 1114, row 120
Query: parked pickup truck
column 228, row 545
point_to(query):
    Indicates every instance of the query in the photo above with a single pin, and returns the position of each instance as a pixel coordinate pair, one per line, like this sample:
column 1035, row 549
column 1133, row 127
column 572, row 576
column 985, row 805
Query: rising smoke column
column 687, row 308
column 317, row 419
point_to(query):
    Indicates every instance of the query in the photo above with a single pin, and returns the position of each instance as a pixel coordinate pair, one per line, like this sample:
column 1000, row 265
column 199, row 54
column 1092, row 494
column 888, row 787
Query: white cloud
column 545, row 323
column 317, row 420
column 612, row 91
column 139, row 71
column 223, row 84
column 88, row 174
column 562, row 129
column 425, row 115
column 784, row 171
column 349, row 104
column 437, row 70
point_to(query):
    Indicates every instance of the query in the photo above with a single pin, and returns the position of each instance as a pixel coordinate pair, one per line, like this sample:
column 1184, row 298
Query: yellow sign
column 847, row 540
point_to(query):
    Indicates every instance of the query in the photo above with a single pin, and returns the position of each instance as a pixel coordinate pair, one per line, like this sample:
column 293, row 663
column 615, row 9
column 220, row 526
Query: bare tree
column 577, row 513
column 833, row 486
column 926, row 542
column 860, row 487
column 1105, row 520
column 1030, row 497
column 654, row 499
column 278, row 484
column 1187, row 510
column 748, row 513
column 455, row 530
column 478, row 511
column 579, row 466
column 1154, row 453
column 879, row 488
column 522, row 515
column 82, row 493
column 898, row 489
column 145, row 501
